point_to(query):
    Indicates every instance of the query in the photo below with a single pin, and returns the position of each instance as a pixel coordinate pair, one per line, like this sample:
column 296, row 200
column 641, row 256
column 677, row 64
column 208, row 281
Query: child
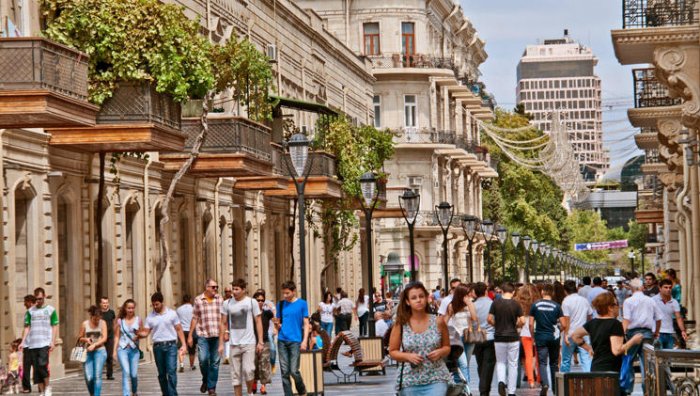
column 13, row 379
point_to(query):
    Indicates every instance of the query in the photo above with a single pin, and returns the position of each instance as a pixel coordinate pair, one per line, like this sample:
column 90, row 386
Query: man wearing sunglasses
column 205, row 321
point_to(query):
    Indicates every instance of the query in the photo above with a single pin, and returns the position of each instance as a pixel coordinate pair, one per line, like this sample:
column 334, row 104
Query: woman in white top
column 325, row 308
column 126, row 346
column 93, row 334
column 527, row 295
column 461, row 314
column 362, row 311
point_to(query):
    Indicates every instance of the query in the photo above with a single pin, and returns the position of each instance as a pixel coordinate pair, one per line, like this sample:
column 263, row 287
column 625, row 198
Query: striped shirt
column 40, row 321
column 208, row 315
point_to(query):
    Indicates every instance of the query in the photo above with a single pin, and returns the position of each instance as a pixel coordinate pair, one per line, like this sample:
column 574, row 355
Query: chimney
column 566, row 32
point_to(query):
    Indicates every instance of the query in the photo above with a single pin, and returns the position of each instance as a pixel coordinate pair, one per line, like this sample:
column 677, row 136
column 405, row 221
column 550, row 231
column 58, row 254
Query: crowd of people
column 517, row 332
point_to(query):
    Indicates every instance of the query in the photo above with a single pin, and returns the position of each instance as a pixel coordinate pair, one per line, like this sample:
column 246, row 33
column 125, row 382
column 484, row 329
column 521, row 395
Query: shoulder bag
column 477, row 336
column 79, row 352
column 121, row 324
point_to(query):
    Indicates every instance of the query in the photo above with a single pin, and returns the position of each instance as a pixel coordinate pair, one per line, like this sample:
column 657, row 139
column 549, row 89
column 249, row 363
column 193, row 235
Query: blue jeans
column 273, row 349
column 548, row 355
column 583, row 357
column 209, row 359
column 637, row 351
column 465, row 359
column 667, row 340
column 328, row 327
column 434, row 389
column 92, row 369
column 166, row 362
column 129, row 362
column 289, row 365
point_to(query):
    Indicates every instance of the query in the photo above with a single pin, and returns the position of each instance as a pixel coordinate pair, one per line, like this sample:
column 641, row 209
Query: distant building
column 559, row 74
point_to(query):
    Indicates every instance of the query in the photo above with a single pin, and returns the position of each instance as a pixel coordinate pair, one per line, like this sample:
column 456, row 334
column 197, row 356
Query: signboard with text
column 601, row 245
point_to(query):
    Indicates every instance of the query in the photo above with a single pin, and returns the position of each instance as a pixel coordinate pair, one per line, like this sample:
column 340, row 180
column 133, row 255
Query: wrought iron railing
column 139, row 102
column 651, row 156
column 321, row 163
column 654, row 13
column 420, row 61
column 424, row 135
column 36, row 63
column 231, row 135
column 649, row 91
column 671, row 369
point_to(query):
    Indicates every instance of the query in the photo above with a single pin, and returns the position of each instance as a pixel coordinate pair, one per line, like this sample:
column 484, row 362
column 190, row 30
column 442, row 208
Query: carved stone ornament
column 671, row 180
column 678, row 67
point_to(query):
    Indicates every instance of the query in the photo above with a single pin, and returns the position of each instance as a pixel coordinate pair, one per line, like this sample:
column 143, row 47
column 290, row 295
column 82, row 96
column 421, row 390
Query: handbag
column 121, row 323
column 627, row 372
column 79, row 352
column 477, row 336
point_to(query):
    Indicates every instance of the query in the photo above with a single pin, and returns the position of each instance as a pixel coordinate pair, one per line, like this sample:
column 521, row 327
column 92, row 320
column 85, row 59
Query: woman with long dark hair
column 527, row 295
column 420, row 342
column 461, row 314
column 325, row 309
column 362, row 311
column 126, row 346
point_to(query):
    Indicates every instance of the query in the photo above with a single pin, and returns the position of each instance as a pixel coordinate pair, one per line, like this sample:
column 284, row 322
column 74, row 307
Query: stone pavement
column 189, row 382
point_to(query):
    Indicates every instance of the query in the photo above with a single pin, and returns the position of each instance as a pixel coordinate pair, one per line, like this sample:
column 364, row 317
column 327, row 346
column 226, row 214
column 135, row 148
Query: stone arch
column 133, row 248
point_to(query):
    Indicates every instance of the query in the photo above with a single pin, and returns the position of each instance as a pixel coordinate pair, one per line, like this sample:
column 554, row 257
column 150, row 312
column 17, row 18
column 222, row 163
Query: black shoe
column 203, row 388
column 110, row 378
column 543, row 391
column 502, row 389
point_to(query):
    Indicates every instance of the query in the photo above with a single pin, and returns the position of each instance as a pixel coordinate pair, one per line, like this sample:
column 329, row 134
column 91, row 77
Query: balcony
column 234, row 147
column 655, row 13
column 648, row 24
column 650, row 208
column 424, row 135
column 652, row 99
column 322, row 182
column 413, row 64
column 43, row 84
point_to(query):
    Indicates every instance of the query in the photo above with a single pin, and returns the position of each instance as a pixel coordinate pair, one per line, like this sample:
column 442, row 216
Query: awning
column 303, row 105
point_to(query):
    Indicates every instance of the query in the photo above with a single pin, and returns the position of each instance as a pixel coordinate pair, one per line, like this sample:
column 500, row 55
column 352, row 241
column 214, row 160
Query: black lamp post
column 526, row 244
column 502, row 236
column 470, row 224
column 368, row 185
column 515, row 239
column 535, row 245
column 487, row 229
column 555, row 253
column 298, row 147
column 444, row 213
column 630, row 256
column 409, row 203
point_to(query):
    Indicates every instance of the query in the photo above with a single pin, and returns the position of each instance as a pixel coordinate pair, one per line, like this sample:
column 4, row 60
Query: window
column 410, row 110
column 371, row 38
column 377, row 101
column 408, row 41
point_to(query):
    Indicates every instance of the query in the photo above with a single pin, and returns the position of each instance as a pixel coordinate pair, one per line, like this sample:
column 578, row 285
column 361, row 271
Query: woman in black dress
column 606, row 335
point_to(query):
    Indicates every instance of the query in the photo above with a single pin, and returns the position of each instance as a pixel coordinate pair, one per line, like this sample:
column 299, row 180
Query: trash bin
column 311, row 369
column 588, row 384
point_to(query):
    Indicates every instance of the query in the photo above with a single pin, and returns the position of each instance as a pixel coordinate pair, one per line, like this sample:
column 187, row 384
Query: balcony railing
column 651, row 156
column 654, row 13
column 671, row 369
column 322, row 163
column 232, row 135
column 419, row 61
column 649, row 91
column 425, row 135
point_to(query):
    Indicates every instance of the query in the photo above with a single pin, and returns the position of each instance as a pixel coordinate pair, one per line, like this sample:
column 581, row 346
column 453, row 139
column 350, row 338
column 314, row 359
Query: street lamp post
column 535, row 245
column 298, row 147
column 526, row 244
column 368, row 185
column 487, row 229
column 630, row 256
column 470, row 224
column 515, row 238
column 543, row 248
column 502, row 235
column 556, row 254
column 409, row 203
column 444, row 213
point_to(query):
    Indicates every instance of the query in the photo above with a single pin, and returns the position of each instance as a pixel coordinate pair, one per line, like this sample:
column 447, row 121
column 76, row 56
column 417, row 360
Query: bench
column 345, row 358
column 588, row 384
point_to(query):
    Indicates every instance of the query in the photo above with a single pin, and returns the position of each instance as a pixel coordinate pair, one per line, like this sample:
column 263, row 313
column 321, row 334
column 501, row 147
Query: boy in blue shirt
column 292, row 323
column 546, row 313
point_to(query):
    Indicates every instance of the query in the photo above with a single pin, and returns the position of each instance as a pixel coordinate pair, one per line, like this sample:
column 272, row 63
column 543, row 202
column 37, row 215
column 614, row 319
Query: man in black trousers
column 485, row 353
column 108, row 316
column 29, row 301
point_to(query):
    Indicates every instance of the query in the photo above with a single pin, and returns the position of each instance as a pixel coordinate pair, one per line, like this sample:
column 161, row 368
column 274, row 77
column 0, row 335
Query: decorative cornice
column 671, row 180
column 678, row 67
column 646, row 140
column 634, row 46
column 648, row 116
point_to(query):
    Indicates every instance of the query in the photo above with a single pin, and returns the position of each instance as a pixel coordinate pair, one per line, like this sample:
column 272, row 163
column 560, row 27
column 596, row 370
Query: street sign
column 617, row 272
column 601, row 245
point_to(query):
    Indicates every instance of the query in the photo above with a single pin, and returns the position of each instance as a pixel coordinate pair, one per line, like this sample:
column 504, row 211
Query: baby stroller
column 461, row 385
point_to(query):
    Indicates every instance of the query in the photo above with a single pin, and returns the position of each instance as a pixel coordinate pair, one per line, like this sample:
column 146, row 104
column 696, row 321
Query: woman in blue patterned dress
column 420, row 344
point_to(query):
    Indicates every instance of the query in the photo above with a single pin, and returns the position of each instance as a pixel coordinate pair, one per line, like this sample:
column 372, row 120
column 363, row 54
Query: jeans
column 485, row 362
column 273, row 349
column 667, row 341
column 166, row 361
column 548, row 354
column 464, row 359
column 289, row 365
column 363, row 324
column 434, row 389
column 583, row 357
column 637, row 350
column 92, row 369
column 129, row 362
column 328, row 327
column 507, row 354
column 209, row 359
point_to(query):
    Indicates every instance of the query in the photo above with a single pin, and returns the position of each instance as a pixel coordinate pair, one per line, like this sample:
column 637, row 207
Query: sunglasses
column 262, row 301
column 214, row 287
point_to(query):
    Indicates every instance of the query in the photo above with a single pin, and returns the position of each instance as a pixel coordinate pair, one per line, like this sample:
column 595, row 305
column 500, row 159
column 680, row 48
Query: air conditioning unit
column 272, row 53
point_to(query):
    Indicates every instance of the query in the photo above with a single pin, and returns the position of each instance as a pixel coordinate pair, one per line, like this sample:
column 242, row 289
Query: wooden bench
column 346, row 360
column 588, row 384
column 364, row 362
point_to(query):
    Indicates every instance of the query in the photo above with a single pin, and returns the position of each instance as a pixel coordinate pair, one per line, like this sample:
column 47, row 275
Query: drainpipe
column 695, row 225
column 5, row 305
column 217, row 235
column 146, row 232
column 682, row 220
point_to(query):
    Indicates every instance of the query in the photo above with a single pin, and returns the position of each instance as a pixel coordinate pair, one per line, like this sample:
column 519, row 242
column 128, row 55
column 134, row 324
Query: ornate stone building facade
column 667, row 108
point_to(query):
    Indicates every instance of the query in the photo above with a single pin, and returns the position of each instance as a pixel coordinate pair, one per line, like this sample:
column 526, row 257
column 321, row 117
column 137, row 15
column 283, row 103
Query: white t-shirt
column 525, row 330
column 577, row 309
column 380, row 328
column 326, row 312
column 162, row 325
column 668, row 313
column 444, row 304
column 184, row 312
column 241, row 320
column 363, row 307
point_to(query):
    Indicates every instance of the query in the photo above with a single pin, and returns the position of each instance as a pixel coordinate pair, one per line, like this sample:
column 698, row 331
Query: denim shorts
column 434, row 389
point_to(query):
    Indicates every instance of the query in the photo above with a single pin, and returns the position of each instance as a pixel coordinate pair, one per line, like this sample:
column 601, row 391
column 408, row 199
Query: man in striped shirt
column 39, row 339
column 205, row 321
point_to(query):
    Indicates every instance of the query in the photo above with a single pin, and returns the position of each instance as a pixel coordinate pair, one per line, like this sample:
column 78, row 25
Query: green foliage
column 588, row 226
column 134, row 40
column 637, row 235
column 240, row 66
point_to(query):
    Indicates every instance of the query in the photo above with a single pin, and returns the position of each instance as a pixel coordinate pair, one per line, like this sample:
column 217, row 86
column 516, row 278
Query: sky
column 508, row 26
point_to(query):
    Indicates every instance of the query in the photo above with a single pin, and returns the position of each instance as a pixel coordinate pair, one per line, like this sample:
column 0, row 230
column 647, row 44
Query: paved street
column 189, row 382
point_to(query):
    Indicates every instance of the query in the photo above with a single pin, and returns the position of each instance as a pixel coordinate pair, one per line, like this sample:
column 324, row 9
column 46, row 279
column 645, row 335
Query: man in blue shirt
column 292, row 323
column 546, row 313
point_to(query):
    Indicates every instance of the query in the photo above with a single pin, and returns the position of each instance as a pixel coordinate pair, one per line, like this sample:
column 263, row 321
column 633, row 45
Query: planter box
column 139, row 103
column 43, row 84
column 588, row 384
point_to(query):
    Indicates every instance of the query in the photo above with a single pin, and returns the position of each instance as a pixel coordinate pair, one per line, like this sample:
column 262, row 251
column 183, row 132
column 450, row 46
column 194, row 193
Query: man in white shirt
column 448, row 299
column 577, row 311
column 640, row 316
column 240, row 323
column 184, row 313
column 583, row 292
column 595, row 291
column 670, row 311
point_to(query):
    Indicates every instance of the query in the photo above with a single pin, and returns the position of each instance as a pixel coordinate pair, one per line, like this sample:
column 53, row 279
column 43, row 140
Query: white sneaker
column 47, row 391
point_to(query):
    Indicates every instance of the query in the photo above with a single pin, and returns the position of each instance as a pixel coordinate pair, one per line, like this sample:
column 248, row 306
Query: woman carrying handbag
column 420, row 346
column 93, row 333
column 461, row 314
column 126, row 346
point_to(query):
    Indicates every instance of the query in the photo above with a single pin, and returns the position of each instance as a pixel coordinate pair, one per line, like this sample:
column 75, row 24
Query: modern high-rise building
column 559, row 75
